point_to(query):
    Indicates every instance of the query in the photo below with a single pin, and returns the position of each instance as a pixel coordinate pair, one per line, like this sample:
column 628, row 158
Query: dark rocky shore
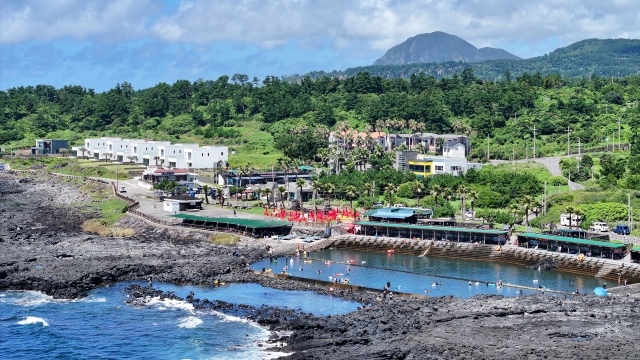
column 43, row 248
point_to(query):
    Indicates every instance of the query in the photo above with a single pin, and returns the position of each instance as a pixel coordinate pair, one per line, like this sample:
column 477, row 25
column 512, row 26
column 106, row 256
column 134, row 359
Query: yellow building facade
column 421, row 168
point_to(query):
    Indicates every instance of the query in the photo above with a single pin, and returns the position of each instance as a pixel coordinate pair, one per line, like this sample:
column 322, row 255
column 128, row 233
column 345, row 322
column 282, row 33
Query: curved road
column 552, row 163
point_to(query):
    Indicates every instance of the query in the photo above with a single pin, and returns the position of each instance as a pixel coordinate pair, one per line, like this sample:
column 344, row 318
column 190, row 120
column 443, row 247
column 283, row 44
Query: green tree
column 351, row 192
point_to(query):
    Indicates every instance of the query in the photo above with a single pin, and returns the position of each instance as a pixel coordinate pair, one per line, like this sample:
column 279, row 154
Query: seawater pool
column 417, row 275
column 102, row 326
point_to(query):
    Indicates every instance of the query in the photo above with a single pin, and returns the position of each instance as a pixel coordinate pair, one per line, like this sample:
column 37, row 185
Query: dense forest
column 585, row 58
column 499, row 116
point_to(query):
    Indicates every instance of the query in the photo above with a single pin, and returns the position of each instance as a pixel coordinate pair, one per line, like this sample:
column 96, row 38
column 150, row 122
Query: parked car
column 621, row 229
column 398, row 205
column 599, row 226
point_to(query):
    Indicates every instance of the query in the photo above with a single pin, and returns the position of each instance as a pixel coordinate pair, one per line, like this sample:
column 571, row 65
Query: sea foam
column 29, row 320
column 189, row 322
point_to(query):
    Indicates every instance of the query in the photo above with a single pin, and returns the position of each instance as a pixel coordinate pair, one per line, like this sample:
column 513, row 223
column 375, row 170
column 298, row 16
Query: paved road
column 552, row 163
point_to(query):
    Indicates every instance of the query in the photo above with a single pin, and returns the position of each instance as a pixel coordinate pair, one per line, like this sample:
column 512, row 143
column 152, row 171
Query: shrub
column 224, row 239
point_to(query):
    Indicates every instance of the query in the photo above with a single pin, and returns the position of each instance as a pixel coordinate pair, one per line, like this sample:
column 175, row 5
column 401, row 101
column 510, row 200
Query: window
column 151, row 148
column 456, row 168
column 146, row 148
column 222, row 153
column 202, row 154
column 162, row 152
column 418, row 168
column 174, row 151
column 439, row 168
column 135, row 149
column 180, row 151
column 207, row 154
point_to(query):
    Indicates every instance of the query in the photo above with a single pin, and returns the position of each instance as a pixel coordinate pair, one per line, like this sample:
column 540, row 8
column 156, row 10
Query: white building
column 174, row 155
column 453, row 149
column 206, row 157
column 121, row 149
column 425, row 165
column 145, row 151
column 95, row 147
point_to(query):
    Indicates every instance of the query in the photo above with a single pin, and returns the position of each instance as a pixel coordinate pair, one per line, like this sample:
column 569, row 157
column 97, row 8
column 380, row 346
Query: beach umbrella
column 600, row 291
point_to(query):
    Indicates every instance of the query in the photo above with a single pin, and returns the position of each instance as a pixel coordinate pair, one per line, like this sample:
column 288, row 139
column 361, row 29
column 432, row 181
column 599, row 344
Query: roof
column 250, row 223
column 427, row 227
column 572, row 240
column 170, row 171
column 182, row 198
column 396, row 213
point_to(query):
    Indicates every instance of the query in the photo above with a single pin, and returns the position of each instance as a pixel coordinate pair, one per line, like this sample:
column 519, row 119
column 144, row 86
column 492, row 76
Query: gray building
column 403, row 158
column 47, row 146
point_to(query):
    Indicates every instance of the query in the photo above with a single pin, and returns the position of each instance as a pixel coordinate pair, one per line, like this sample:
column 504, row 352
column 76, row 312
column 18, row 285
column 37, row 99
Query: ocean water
column 102, row 326
column 417, row 275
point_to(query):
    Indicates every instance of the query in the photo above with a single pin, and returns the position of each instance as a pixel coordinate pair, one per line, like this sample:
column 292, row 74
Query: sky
column 99, row 43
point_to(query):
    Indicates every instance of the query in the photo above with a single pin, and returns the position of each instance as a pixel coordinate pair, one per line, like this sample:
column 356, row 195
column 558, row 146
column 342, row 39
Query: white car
column 599, row 226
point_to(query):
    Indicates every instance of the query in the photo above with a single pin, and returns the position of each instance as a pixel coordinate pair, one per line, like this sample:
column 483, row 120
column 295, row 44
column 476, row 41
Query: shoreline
column 43, row 248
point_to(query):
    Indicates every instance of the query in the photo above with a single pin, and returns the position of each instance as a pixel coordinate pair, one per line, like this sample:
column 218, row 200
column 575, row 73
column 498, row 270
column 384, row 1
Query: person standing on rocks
column 150, row 279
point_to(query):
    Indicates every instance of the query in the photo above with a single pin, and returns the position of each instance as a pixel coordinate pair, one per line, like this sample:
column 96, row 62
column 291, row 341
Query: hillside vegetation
column 587, row 58
column 263, row 120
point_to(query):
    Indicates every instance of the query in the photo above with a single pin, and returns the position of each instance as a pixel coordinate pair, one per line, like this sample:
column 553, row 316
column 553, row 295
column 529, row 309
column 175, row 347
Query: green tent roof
column 250, row 223
column 427, row 227
column 571, row 240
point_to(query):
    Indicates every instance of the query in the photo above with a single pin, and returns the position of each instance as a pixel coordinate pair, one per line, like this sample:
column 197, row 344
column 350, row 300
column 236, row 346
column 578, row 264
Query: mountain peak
column 439, row 46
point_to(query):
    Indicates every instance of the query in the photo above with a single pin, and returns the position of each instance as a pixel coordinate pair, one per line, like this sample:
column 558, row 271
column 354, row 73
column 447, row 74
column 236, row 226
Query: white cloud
column 378, row 24
column 45, row 20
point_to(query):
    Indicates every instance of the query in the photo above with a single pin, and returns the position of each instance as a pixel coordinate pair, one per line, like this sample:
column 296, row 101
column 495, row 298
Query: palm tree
column 367, row 188
column 83, row 150
column 131, row 158
column 529, row 203
column 436, row 190
column 472, row 195
column 514, row 209
column 457, row 126
column 300, row 183
column 329, row 189
column 266, row 192
column 108, row 155
column 205, row 189
column 389, row 190
column 342, row 127
column 321, row 131
column 156, row 158
column 351, row 192
column 462, row 191
column 413, row 126
column 420, row 148
column 281, row 191
column 417, row 187
column 317, row 187
column 447, row 193
column 64, row 152
column 570, row 210
column 439, row 143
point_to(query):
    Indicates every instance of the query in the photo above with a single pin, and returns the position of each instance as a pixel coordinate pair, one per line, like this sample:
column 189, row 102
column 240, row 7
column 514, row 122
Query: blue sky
column 98, row 43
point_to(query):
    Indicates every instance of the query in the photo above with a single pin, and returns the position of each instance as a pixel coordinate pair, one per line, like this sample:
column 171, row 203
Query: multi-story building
column 145, row 151
column 206, row 157
column 48, row 146
column 425, row 165
column 95, row 147
column 120, row 150
column 174, row 155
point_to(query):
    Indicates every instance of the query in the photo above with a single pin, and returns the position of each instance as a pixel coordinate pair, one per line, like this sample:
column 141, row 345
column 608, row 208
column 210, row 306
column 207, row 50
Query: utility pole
column 117, row 183
column 630, row 216
column 488, row 149
column 534, row 141
column 513, row 155
column 568, row 131
column 544, row 202
column 619, row 145
column 526, row 149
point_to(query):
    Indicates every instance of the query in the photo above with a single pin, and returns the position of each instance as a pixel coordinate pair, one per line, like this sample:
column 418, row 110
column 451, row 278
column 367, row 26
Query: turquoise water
column 417, row 275
column 102, row 326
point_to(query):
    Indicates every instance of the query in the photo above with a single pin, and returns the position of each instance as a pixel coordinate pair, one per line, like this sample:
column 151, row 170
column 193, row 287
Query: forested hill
column 611, row 57
column 270, row 118
column 439, row 47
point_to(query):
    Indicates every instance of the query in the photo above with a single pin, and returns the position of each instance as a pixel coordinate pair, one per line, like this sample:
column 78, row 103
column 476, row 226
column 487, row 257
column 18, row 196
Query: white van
column 398, row 205
column 599, row 226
